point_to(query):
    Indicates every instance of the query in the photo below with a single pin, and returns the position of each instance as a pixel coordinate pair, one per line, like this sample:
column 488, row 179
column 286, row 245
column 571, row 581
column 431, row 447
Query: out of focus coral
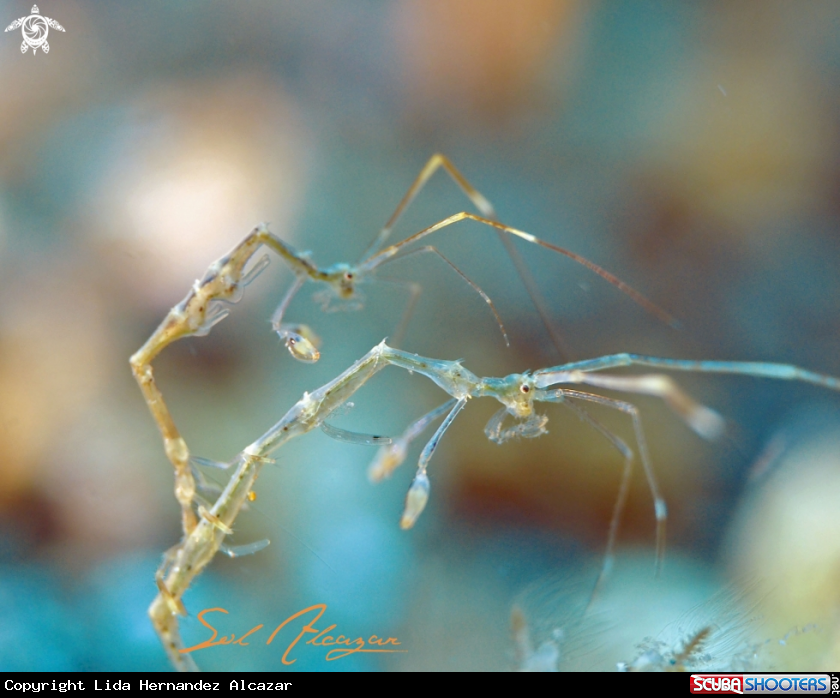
column 480, row 59
column 199, row 164
column 786, row 537
column 54, row 358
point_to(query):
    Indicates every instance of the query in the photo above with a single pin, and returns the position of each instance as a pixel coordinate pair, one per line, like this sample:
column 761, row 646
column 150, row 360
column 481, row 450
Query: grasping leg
column 418, row 493
column 300, row 340
column 392, row 455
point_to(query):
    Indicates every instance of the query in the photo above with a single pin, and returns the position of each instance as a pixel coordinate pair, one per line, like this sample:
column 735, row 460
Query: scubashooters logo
column 794, row 684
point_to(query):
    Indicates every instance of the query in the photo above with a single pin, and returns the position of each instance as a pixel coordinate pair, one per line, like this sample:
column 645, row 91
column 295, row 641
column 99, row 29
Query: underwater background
column 692, row 149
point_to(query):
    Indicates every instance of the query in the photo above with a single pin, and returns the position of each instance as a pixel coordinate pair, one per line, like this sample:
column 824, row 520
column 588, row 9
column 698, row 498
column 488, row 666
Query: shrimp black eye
column 348, row 275
column 525, row 388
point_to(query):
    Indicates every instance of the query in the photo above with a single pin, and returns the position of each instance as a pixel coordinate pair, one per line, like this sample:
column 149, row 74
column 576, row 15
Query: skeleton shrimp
column 208, row 301
column 518, row 394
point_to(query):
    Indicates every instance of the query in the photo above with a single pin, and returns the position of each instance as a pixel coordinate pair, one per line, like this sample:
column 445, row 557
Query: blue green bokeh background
column 693, row 149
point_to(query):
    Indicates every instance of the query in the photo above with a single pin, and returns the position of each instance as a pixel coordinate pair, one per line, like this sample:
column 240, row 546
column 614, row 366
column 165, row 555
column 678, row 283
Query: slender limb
column 485, row 208
column 299, row 339
column 419, row 426
column 209, row 463
column 414, row 290
column 277, row 318
column 173, row 444
column 535, row 294
column 435, row 162
column 256, row 269
column 704, row 421
column 242, row 550
column 391, row 456
column 203, row 486
column 418, row 493
column 493, row 428
column 354, row 437
column 759, row 369
column 389, row 252
column 659, row 506
column 561, row 396
column 475, row 286
column 429, row 449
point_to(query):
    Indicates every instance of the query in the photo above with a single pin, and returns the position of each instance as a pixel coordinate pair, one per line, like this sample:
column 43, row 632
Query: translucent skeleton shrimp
column 342, row 280
column 518, row 395
column 208, row 301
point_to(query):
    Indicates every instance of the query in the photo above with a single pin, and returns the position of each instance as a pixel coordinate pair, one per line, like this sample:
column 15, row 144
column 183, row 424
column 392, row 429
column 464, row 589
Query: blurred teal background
column 690, row 148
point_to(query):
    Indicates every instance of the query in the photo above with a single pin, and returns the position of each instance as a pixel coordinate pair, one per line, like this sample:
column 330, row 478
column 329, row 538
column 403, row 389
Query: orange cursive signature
column 342, row 646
